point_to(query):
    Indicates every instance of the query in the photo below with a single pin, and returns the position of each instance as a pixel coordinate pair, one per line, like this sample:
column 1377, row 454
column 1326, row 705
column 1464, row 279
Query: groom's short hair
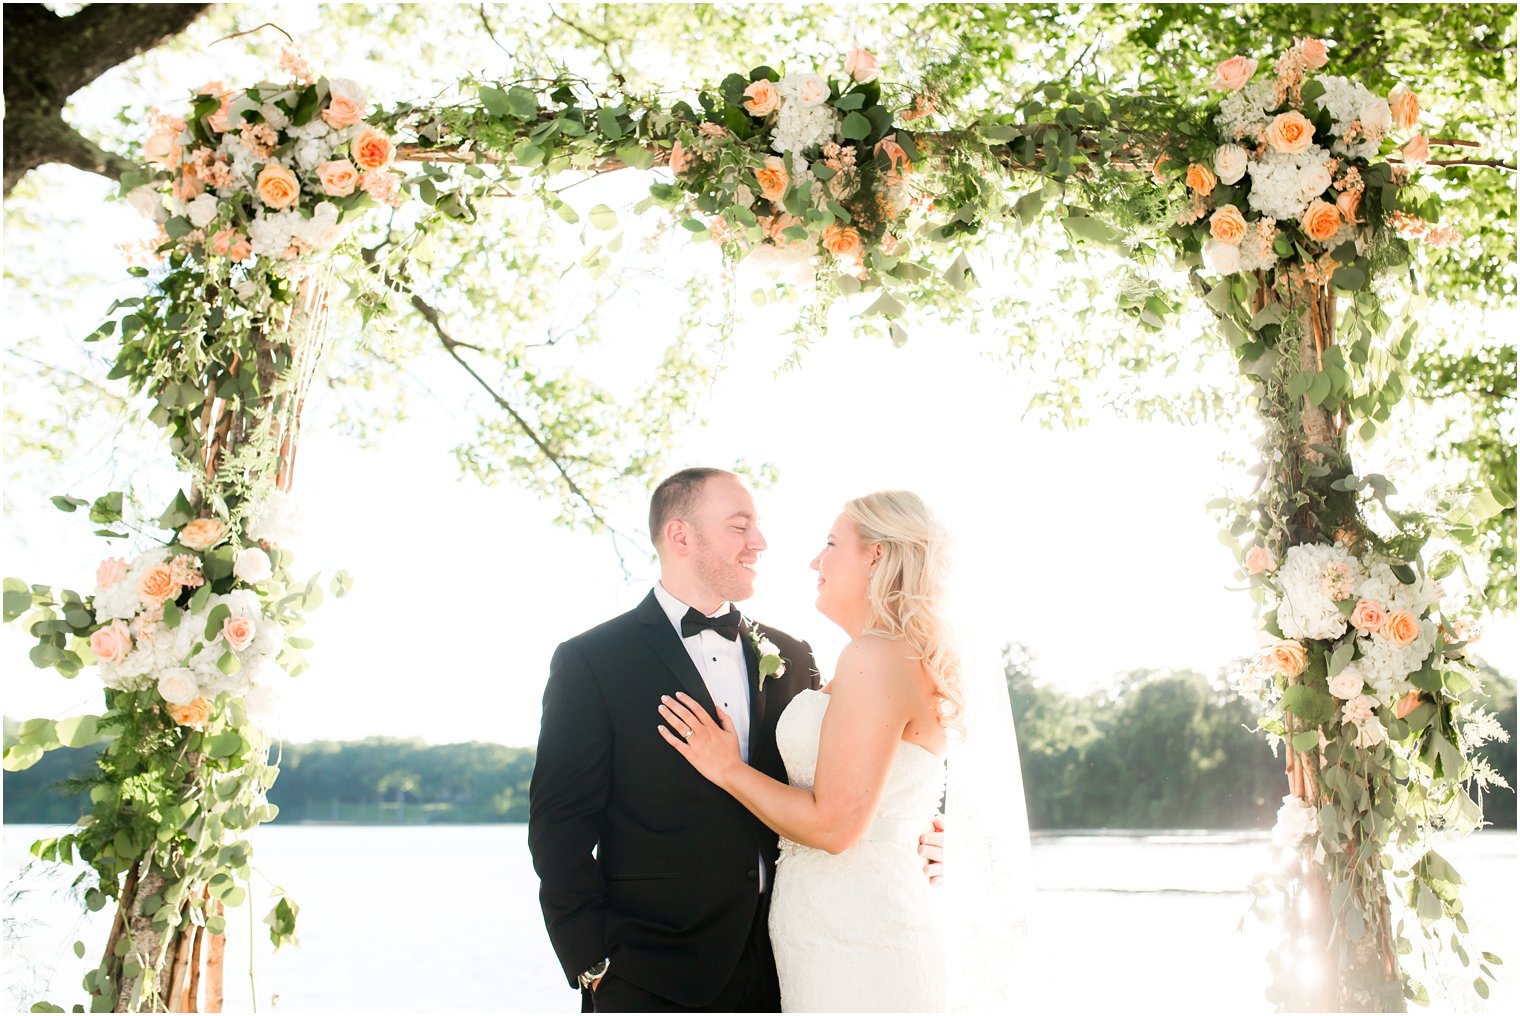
column 676, row 497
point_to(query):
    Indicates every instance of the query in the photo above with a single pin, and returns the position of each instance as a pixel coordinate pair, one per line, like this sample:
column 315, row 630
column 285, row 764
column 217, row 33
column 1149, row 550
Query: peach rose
column 1315, row 53
column 232, row 244
column 1405, row 106
column 203, row 534
column 1259, row 559
column 773, row 178
column 861, row 65
column 897, row 159
column 842, row 241
column 1417, row 151
column 1321, row 221
column 775, row 227
column 238, row 632
column 187, row 186
column 157, row 584
column 680, row 159
column 1232, row 75
column 277, row 186
column 372, row 149
column 1227, row 225
column 1289, row 657
column 162, row 147
column 1367, row 617
column 761, row 98
column 194, row 714
column 111, row 571
column 339, row 177
column 343, row 111
column 1290, row 132
column 1401, row 628
column 112, row 643
column 1406, row 705
column 1347, row 204
column 1200, row 178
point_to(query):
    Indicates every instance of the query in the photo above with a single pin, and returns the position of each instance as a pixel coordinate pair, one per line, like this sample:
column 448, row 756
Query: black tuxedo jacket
column 640, row 858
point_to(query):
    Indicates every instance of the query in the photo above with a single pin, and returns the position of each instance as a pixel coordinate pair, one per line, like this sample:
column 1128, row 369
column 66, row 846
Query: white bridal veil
column 989, row 879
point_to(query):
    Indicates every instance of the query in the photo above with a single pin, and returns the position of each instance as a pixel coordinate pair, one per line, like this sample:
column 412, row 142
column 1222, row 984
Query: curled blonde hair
column 908, row 586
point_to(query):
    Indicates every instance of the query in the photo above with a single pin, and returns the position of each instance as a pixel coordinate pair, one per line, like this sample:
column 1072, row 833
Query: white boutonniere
column 771, row 663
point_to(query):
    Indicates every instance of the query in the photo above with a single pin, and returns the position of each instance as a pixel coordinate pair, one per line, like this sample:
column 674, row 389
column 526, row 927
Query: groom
column 655, row 883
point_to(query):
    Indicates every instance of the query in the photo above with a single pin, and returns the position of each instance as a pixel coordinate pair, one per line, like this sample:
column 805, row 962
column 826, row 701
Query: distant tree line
column 1158, row 749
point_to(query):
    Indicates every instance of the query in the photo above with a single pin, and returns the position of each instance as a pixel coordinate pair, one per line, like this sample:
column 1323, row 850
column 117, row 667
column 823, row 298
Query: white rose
column 1348, row 683
column 202, row 210
column 147, row 202
column 274, row 116
column 1313, row 180
column 178, row 686
column 1230, row 163
column 1224, row 258
column 769, row 648
column 814, row 91
column 348, row 89
column 1377, row 117
column 252, row 565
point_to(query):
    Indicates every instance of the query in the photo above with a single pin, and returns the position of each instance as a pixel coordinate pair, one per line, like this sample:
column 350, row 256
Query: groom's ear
column 678, row 535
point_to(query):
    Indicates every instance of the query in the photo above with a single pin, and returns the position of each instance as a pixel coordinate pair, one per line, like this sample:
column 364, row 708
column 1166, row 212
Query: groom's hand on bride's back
column 931, row 847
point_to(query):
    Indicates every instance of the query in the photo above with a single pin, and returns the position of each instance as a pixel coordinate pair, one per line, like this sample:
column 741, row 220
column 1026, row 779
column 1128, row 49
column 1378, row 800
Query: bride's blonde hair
column 907, row 588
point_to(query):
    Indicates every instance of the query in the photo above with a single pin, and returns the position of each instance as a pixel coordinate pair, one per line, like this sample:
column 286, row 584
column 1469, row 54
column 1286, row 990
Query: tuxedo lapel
column 663, row 639
column 756, row 686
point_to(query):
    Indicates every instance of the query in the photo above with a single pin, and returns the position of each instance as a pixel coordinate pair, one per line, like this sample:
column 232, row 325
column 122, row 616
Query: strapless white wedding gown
column 859, row 931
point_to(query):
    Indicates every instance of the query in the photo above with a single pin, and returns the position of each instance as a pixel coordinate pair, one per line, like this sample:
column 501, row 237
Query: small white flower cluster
column 804, row 120
column 273, row 234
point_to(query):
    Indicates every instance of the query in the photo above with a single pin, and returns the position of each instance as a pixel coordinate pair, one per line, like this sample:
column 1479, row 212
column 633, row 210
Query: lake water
column 439, row 918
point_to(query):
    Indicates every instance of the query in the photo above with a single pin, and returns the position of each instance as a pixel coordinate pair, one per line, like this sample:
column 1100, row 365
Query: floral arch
column 1288, row 194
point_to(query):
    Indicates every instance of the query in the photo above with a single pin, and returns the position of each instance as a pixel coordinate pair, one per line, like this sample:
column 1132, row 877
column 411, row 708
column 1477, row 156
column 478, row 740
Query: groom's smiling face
column 726, row 540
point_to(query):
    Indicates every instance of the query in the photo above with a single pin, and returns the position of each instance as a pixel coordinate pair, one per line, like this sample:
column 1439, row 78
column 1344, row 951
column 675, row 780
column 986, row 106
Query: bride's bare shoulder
column 876, row 659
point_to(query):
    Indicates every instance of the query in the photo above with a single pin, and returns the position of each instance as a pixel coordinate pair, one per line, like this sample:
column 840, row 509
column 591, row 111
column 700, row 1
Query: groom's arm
column 567, row 800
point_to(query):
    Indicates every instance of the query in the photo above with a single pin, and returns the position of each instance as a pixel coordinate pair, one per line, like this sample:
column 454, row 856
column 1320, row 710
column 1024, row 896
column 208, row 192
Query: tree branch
column 451, row 345
column 48, row 58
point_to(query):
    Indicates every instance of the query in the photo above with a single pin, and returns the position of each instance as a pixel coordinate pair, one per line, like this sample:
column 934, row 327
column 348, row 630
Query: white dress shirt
column 720, row 661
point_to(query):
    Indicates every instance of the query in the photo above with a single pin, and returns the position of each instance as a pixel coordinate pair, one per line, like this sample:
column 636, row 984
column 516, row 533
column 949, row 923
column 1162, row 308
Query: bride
column 854, row 924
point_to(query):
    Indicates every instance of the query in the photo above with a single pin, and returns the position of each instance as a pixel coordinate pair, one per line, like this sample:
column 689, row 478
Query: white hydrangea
column 1275, row 182
column 1382, row 586
column 271, row 233
column 1347, row 101
column 310, row 152
column 800, row 127
column 121, row 601
column 276, row 520
column 1307, row 611
column 1387, row 666
column 1243, row 114
column 1296, row 821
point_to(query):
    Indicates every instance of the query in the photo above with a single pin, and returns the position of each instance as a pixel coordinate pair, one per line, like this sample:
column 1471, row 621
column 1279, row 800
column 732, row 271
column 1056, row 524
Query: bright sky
column 1092, row 547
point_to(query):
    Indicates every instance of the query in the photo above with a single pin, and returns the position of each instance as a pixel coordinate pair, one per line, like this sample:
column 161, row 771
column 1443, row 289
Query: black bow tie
column 726, row 625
